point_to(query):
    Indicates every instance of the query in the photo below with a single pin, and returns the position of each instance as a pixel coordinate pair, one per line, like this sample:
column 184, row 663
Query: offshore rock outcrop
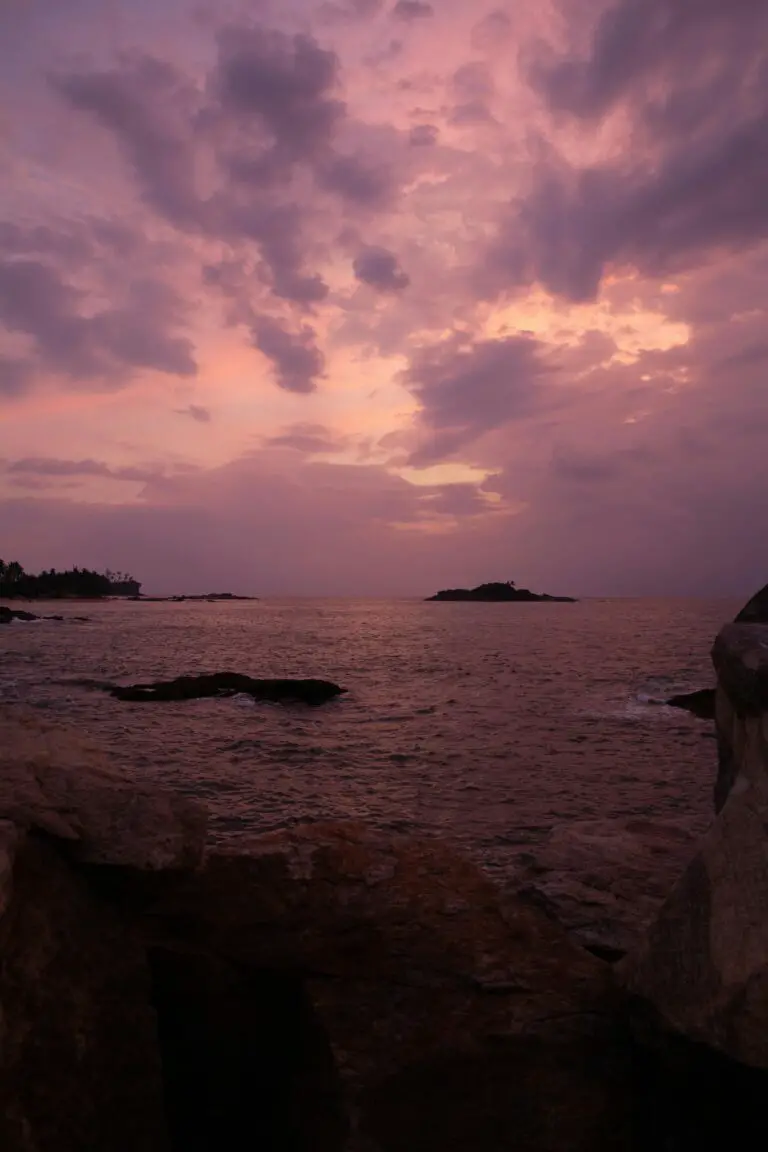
column 309, row 691
column 501, row 592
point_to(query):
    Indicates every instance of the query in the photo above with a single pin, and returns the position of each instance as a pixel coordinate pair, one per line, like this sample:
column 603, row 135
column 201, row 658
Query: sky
column 375, row 297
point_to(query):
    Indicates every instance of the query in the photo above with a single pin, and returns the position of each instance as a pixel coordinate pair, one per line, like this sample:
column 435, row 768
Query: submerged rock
column 229, row 684
column 701, row 703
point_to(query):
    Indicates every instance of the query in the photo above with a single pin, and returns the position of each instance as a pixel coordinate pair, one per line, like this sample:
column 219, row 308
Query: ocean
column 485, row 724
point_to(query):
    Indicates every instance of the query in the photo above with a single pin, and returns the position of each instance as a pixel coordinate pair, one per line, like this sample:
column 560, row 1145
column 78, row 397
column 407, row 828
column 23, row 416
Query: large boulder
column 703, row 965
column 54, row 782
column 605, row 880
column 454, row 1023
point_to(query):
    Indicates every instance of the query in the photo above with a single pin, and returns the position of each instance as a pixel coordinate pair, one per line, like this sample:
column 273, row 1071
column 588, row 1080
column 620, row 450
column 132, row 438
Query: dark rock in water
column 9, row 614
column 501, row 592
column 701, row 703
column 756, row 610
column 229, row 684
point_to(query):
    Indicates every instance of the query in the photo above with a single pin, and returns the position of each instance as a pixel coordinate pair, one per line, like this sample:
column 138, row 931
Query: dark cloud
column 693, row 81
column 41, row 466
column 197, row 412
column 423, row 135
column 36, row 302
column 666, row 55
column 356, row 180
column 468, row 388
column 310, row 439
column 285, row 81
column 267, row 117
column 380, row 269
column 297, row 361
column 148, row 105
column 412, row 10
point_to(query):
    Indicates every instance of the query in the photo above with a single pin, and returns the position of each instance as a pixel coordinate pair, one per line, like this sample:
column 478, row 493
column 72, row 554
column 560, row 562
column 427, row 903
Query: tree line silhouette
column 53, row 585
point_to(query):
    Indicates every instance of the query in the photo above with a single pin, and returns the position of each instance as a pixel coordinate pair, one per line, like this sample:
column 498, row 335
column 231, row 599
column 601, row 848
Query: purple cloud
column 692, row 80
column 35, row 301
column 412, row 10
column 41, row 466
column 295, row 357
column 380, row 269
column 467, row 389
column 196, row 412
column 311, row 439
column 423, row 135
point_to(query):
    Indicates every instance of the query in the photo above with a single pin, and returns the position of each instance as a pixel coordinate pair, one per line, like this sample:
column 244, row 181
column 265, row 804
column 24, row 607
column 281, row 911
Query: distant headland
column 498, row 592
column 85, row 584
column 74, row 583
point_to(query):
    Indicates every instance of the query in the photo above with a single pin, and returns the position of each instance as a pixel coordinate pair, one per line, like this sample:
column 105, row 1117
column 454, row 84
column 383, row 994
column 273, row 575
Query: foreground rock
column 605, row 880
column 229, row 684
column 80, row 1067
column 703, row 966
column 701, row 703
column 498, row 592
column 331, row 988
column 53, row 783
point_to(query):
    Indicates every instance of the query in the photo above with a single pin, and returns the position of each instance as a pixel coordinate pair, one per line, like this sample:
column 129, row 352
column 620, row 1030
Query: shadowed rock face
column 229, row 684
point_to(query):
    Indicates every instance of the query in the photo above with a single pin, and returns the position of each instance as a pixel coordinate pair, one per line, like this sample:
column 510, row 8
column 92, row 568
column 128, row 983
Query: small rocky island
column 498, row 592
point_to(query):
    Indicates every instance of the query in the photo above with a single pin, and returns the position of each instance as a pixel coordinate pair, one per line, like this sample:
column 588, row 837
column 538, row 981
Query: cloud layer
column 442, row 294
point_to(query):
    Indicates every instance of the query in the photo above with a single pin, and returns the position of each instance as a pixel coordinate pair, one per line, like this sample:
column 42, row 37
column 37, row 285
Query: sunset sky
column 369, row 297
